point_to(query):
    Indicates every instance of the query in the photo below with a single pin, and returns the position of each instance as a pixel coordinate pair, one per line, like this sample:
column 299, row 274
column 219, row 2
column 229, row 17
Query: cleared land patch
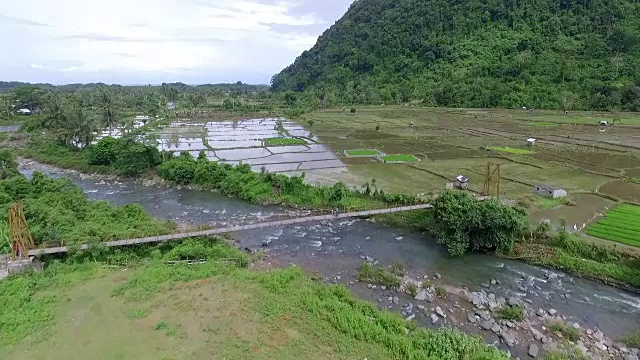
column 283, row 141
column 621, row 225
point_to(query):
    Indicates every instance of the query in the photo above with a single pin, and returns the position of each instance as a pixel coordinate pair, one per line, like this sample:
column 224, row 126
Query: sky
column 156, row 41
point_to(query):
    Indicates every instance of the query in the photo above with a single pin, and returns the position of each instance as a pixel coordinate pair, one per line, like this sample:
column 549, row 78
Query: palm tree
column 128, row 125
column 107, row 107
column 81, row 128
column 56, row 116
column 6, row 105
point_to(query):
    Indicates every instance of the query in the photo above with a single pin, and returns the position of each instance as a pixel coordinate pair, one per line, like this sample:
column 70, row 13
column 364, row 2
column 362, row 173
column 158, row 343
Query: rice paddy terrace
column 418, row 150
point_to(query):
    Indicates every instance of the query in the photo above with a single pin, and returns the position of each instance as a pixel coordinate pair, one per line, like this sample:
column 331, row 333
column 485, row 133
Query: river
column 338, row 248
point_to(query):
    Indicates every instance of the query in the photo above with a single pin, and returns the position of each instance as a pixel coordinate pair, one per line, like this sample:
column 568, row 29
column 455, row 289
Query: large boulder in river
column 478, row 298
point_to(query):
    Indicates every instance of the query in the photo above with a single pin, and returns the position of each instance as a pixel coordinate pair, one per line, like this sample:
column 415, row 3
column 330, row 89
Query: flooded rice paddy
column 243, row 142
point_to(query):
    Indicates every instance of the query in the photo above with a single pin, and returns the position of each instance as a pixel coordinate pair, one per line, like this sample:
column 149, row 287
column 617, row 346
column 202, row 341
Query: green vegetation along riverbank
column 217, row 309
column 58, row 211
column 240, row 181
column 594, row 261
column 608, row 264
column 463, row 225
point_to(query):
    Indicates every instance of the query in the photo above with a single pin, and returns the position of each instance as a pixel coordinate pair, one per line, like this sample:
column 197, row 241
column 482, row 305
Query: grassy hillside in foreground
column 215, row 310
column 568, row 54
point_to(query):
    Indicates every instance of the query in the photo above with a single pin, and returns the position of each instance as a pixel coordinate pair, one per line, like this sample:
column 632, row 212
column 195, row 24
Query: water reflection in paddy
column 235, row 142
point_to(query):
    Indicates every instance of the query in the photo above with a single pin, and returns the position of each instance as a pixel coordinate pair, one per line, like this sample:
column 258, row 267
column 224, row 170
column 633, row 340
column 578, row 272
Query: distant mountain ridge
column 11, row 85
column 470, row 53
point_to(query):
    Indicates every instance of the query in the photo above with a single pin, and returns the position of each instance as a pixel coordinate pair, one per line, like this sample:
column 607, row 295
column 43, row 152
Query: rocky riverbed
column 427, row 300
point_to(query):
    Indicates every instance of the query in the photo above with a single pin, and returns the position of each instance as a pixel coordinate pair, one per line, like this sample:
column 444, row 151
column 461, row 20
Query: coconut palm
column 107, row 108
column 7, row 103
column 81, row 128
column 56, row 116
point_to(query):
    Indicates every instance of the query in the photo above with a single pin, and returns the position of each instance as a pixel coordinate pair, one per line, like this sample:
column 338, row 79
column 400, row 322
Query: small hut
column 531, row 142
column 462, row 182
column 550, row 192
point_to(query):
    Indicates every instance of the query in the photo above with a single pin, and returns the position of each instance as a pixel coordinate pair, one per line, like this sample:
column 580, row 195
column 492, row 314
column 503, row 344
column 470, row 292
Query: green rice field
column 511, row 150
column 283, row 142
column 363, row 152
column 399, row 158
column 547, row 124
column 622, row 225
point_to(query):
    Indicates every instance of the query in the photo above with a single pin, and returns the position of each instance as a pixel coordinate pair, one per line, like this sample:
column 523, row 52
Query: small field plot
column 543, row 124
column 362, row 152
column 511, row 150
column 283, row 141
column 621, row 225
column 399, row 158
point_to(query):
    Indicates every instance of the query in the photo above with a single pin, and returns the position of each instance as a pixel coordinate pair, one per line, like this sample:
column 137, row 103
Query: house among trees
column 550, row 192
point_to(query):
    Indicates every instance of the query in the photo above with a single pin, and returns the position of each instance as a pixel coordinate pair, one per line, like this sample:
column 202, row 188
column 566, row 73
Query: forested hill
column 477, row 53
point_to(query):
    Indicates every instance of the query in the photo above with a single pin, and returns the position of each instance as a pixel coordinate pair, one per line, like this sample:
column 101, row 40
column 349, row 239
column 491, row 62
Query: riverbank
column 336, row 248
column 513, row 322
column 161, row 305
column 606, row 264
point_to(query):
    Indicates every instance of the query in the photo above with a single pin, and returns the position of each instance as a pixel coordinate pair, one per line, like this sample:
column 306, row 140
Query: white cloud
column 92, row 40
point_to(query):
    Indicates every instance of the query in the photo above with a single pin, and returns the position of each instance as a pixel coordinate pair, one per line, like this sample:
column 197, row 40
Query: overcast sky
column 155, row 41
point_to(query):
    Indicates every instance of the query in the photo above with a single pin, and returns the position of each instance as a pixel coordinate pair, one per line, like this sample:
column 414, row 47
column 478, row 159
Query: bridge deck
column 258, row 225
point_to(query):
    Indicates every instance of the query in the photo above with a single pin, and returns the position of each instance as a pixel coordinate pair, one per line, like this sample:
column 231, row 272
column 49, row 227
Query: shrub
column 104, row 152
column 126, row 156
column 465, row 224
column 353, row 110
column 412, row 289
column 441, row 292
column 397, row 268
column 377, row 275
column 511, row 312
column 567, row 353
column 568, row 332
column 633, row 339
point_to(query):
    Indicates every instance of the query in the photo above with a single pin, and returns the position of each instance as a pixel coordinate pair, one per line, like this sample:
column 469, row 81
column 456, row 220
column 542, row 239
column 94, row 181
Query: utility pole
column 492, row 180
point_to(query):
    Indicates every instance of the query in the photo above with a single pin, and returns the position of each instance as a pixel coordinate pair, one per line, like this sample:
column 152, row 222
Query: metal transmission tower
column 492, row 180
column 19, row 234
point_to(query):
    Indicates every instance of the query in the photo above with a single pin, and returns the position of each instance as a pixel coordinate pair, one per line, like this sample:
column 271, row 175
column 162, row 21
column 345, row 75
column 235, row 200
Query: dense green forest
column 567, row 54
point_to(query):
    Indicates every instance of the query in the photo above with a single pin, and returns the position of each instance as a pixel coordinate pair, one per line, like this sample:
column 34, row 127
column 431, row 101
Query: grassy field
column 363, row 152
column 451, row 142
column 215, row 310
column 622, row 225
column 543, row 124
column 283, row 142
column 511, row 150
column 544, row 203
column 399, row 158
